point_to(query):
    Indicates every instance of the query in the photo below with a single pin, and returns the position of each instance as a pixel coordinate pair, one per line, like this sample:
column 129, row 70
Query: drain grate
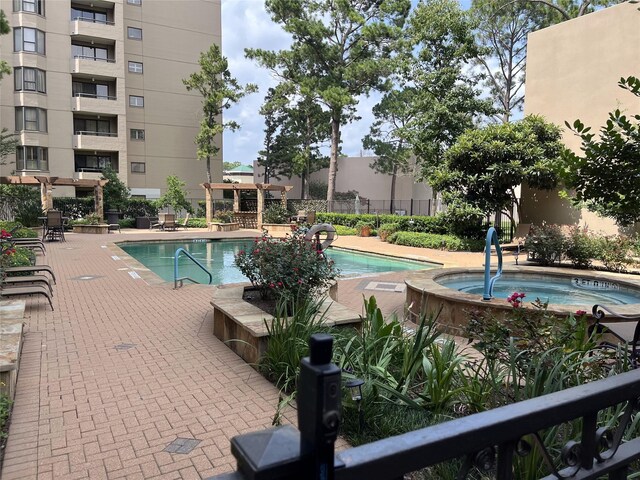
column 125, row 346
column 386, row 286
column 85, row 278
column 182, row 445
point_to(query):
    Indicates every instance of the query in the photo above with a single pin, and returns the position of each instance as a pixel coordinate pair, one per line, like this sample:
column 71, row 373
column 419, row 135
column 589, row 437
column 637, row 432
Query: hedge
column 430, row 240
column 409, row 224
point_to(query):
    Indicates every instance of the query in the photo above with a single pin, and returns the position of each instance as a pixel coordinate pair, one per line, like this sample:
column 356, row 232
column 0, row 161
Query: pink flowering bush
column 515, row 299
column 287, row 267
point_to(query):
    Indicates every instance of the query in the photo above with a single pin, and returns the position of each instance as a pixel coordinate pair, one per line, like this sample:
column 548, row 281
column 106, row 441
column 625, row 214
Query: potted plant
column 364, row 228
column 223, row 221
column 275, row 218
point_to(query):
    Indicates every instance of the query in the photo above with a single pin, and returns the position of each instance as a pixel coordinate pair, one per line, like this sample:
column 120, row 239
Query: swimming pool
column 217, row 256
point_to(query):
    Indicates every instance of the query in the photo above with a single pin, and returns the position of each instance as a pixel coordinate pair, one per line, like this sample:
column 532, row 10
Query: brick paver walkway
column 122, row 368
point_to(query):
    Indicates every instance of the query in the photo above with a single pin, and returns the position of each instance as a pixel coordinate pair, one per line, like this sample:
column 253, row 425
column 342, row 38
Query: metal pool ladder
column 492, row 237
column 179, row 281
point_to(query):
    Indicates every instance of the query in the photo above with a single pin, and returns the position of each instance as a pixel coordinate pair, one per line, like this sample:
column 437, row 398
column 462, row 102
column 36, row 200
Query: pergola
column 47, row 183
column 237, row 188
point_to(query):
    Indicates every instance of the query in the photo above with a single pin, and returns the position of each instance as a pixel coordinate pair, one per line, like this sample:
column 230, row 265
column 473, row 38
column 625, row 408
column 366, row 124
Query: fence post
column 411, row 208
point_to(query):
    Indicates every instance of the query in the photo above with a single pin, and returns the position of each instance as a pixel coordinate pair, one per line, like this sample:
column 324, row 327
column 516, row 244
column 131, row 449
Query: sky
column 245, row 24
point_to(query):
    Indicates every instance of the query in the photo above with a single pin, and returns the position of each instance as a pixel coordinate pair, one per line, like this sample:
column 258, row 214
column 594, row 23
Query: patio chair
column 184, row 222
column 23, row 280
column 159, row 223
column 32, row 269
column 21, row 291
column 624, row 329
column 170, row 222
column 55, row 226
column 32, row 245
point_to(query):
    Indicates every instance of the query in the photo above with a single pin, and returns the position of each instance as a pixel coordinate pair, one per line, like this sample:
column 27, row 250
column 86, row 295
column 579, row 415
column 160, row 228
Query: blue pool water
column 218, row 257
column 558, row 291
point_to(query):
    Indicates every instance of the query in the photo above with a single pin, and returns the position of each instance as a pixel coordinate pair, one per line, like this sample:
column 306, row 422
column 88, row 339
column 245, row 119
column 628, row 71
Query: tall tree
column 561, row 10
column 385, row 136
column 502, row 28
column 341, row 49
column 296, row 127
column 439, row 45
column 219, row 91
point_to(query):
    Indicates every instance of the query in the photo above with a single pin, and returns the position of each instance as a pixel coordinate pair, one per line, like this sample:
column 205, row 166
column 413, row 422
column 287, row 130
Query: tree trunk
column 394, row 175
column 208, row 169
column 333, row 160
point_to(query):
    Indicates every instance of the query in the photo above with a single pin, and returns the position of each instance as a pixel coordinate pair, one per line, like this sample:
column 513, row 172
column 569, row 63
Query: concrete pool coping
column 426, row 295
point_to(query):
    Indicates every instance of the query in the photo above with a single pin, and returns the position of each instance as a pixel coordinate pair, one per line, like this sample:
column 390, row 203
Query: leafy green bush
column 363, row 229
column 89, row 219
column 276, row 213
column 582, row 247
column 139, row 207
column 545, row 244
column 21, row 232
column 23, row 202
column 299, row 273
column 127, row 222
column 224, row 216
column 409, row 224
column 74, row 207
column 5, row 411
column 197, row 222
column 464, row 221
column 341, row 230
column 387, row 229
column 431, row 240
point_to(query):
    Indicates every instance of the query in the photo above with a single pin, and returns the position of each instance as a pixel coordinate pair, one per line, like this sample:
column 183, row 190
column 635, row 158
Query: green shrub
column 21, row 232
column 127, row 222
column 545, row 244
column 22, row 202
column 387, row 229
column 409, row 224
column 197, row 222
column 431, row 240
column 74, row 207
column 341, row 230
column 5, row 411
column 139, row 207
column 22, row 257
column 276, row 213
column 582, row 247
column 464, row 221
column 224, row 216
column 614, row 252
column 89, row 219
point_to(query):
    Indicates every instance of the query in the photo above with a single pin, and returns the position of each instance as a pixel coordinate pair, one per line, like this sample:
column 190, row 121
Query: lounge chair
column 22, row 280
column 624, row 328
column 184, row 223
column 31, row 244
column 32, row 269
column 30, row 290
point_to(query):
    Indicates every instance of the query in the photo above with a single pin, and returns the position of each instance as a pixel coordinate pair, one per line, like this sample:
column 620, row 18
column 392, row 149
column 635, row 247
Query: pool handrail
column 181, row 280
column 492, row 238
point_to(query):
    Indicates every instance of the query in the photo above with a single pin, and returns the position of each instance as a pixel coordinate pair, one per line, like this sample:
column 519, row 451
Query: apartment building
column 99, row 82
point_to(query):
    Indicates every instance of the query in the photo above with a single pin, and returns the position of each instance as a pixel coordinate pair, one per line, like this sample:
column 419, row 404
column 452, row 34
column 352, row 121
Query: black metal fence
column 488, row 441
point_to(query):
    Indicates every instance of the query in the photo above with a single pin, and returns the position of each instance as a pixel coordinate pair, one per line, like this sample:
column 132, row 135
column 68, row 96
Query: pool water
column 217, row 256
column 569, row 291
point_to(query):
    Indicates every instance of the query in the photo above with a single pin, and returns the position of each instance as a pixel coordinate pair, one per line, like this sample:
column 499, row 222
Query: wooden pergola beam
column 247, row 186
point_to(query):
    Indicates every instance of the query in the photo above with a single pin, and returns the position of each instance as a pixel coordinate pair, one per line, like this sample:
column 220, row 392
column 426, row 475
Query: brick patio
column 121, row 369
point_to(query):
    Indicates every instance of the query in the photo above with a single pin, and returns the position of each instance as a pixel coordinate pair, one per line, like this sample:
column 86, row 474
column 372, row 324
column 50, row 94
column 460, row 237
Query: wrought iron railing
column 488, row 441
column 95, row 59
column 95, row 95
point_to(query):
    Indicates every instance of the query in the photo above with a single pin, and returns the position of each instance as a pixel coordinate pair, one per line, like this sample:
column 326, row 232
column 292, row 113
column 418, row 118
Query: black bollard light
column 318, row 408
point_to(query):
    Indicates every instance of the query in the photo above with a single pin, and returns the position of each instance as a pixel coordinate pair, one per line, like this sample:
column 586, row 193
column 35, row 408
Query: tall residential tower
column 99, row 82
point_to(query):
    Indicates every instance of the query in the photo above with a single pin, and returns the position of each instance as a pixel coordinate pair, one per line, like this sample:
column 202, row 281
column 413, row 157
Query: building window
column 31, row 119
column 87, row 15
column 92, row 90
column 28, row 40
column 31, row 6
column 136, row 101
column 95, row 163
column 134, row 2
column 90, row 126
column 32, row 158
column 30, row 79
column 100, row 54
column 137, row 134
column 138, row 167
column 135, row 67
column 134, row 33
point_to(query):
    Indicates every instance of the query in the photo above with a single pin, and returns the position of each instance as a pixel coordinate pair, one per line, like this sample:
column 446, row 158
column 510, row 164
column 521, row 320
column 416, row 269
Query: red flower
column 581, row 312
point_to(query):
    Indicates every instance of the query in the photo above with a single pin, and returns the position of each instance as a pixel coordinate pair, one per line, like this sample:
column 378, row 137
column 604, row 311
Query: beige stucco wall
column 572, row 73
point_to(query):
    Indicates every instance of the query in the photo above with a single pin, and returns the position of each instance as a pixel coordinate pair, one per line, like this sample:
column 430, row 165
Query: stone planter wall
column 99, row 229
column 272, row 228
column 223, row 227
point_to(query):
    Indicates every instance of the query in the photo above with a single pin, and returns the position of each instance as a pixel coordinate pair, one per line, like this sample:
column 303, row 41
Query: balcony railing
column 95, row 95
column 96, row 134
column 93, row 20
column 95, row 59
column 488, row 441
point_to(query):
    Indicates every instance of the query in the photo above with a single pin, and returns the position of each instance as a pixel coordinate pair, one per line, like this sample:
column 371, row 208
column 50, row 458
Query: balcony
column 95, row 66
column 107, row 141
column 91, row 103
column 85, row 29
column 88, row 174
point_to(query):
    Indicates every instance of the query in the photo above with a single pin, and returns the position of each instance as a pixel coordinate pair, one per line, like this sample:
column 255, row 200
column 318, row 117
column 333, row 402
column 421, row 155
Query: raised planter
column 223, row 227
column 11, row 331
column 278, row 227
column 243, row 326
column 102, row 228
